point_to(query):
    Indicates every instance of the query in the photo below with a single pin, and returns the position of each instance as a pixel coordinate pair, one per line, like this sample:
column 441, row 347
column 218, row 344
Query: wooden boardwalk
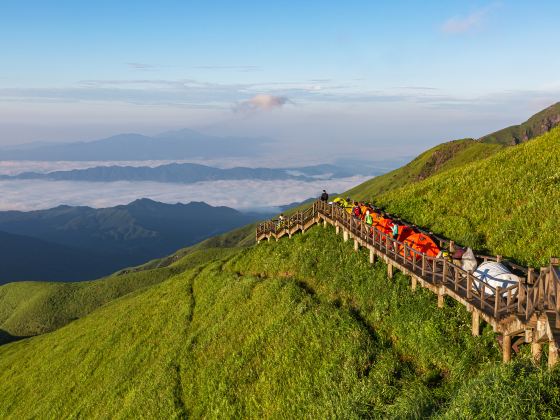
column 527, row 312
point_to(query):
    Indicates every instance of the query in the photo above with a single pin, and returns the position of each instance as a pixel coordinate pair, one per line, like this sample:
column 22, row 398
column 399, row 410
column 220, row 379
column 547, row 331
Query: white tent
column 494, row 274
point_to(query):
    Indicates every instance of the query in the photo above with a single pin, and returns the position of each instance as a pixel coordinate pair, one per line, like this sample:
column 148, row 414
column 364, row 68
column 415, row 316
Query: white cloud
column 33, row 195
column 462, row 24
column 261, row 102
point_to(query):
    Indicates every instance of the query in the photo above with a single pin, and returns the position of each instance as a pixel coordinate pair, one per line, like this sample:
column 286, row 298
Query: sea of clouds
column 243, row 195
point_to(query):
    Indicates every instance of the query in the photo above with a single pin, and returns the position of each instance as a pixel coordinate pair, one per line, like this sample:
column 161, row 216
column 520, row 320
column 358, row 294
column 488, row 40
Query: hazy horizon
column 361, row 79
column 321, row 80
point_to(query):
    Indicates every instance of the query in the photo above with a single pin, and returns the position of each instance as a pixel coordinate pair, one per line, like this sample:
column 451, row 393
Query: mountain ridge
column 132, row 146
column 538, row 124
column 191, row 173
column 107, row 239
column 456, row 153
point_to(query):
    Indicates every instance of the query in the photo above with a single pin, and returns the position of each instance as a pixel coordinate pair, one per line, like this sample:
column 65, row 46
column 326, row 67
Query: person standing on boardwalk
column 368, row 218
column 356, row 210
column 324, row 196
column 395, row 231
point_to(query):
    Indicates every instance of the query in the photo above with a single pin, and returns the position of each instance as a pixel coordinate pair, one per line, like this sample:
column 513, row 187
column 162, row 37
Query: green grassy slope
column 458, row 153
column 508, row 204
column 273, row 331
column 435, row 160
column 537, row 125
column 32, row 308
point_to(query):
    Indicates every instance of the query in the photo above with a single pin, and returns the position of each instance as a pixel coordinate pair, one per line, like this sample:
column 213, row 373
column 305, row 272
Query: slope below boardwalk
column 528, row 311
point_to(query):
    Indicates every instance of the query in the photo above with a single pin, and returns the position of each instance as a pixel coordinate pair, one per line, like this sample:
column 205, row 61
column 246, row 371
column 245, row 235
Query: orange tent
column 383, row 225
column 421, row 243
column 404, row 233
column 375, row 216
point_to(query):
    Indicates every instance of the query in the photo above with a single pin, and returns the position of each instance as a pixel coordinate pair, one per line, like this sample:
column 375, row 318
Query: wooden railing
column 535, row 293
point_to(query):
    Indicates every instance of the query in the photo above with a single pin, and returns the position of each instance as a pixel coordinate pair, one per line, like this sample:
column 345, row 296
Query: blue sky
column 384, row 77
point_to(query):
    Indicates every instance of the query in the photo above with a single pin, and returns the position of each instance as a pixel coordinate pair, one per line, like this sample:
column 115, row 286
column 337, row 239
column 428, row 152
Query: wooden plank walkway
column 526, row 312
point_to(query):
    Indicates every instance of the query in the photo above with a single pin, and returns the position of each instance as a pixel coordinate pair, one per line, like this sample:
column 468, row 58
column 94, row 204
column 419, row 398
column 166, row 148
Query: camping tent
column 421, row 243
column 494, row 274
column 405, row 232
column 383, row 225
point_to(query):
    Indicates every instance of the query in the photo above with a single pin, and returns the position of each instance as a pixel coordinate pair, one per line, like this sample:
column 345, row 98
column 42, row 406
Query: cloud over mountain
column 262, row 102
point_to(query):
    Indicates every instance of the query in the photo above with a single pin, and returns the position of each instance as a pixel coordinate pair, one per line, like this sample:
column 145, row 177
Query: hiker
column 368, row 218
column 281, row 220
column 325, row 197
column 395, row 231
column 356, row 211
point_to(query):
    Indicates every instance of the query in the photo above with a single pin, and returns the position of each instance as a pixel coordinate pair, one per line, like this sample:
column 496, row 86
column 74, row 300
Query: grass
column 436, row 160
column 457, row 153
column 32, row 308
column 295, row 328
column 535, row 126
column 508, row 204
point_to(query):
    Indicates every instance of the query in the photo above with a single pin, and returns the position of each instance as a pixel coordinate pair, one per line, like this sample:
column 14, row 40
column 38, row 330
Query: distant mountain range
column 172, row 145
column 191, row 172
column 80, row 243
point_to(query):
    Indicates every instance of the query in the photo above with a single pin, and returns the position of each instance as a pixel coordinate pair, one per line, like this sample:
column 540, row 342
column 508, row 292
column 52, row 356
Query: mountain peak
column 539, row 124
column 182, row 132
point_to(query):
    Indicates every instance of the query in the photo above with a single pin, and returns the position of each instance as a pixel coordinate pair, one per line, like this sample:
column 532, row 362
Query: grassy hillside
column 438, row 159
column 537, row 125
column 457, row 153
column 508, row 204
column 273, row 331
column 32, row 308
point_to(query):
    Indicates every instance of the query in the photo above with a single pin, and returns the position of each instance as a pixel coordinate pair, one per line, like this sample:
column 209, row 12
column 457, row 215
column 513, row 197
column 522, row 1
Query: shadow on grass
column 6, row 337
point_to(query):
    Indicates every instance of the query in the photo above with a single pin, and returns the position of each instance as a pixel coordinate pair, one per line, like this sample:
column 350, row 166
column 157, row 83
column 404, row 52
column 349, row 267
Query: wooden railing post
column 531, row 276
column 506, row 347
column 469, row 285
column 497, row 297
column 440, row 297
column 521, row 295
column 423, row 265
column 552, row 354
column 475, row 323
column 456, row 279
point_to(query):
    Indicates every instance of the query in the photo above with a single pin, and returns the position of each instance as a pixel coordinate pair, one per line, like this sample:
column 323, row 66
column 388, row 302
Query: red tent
column 421, row 243
column 384, row 225
column 404, row 233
